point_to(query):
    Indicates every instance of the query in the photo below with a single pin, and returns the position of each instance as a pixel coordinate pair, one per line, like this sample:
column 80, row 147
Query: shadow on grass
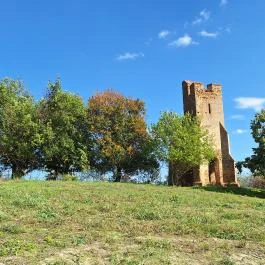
column 237, row 191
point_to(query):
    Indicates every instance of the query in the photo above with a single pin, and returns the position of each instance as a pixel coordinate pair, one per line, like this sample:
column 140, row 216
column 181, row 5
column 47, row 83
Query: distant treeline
column 62, row 135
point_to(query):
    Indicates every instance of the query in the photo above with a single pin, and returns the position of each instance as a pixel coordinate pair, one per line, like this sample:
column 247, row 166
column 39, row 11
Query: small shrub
column 68, row 177
column 258, row 182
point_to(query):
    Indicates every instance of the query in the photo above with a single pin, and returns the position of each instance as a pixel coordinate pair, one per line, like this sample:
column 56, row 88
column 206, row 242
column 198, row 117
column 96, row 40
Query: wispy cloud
column 204, row 16
column 207, row 34
column 223, row 3
column 250, row 103
column 228, row 30
column 240, row 131
column 237, row 117
column 129, row 56
column 183, row 41
column 148, row 42
column 163, row 34
column 197, row 21
column 225, row 30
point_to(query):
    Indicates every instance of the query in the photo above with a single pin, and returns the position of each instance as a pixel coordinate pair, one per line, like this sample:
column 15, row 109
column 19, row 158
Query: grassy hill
column 111, row 223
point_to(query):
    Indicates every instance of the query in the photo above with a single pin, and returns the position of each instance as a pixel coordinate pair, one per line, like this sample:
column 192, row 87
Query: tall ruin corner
column 207, row 104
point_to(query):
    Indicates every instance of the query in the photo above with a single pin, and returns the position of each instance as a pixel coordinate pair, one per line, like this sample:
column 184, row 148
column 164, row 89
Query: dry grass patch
column 117, row 223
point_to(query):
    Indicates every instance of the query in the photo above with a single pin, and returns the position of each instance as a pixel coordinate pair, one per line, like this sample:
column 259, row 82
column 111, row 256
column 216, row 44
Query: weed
column 3, row 216
column 47, row 213
column 225, row 261
column 12, row 229
column 147, row 214
column 78, row 240
column 14, row 247
column 39, row 219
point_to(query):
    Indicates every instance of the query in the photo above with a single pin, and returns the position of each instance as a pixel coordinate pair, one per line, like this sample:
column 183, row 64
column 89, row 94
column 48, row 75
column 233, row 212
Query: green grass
column 117, row 223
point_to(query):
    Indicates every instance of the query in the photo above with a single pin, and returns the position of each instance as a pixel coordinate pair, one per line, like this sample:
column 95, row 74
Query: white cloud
column 207, row 34
column 237, row 117
column 223, row 3
column 163, row 34
column 239, row 131
column 250, row 103
column 184, row 41
column 204, row 16
column 129, row 56
column 197, row 21
column 148, row 42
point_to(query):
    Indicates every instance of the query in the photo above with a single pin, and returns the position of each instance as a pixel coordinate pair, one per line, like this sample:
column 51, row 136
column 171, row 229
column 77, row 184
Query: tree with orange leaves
column 119, row 138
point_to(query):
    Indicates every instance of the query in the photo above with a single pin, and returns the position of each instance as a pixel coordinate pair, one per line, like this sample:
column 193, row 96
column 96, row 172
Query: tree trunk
column 53, row 175
column 170, row 178
column 118, row 175
column 17, row 173
column 176, row 172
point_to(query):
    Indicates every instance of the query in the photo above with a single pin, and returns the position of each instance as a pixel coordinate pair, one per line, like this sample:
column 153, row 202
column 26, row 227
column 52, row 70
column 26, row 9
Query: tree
column 256, row 162
column 182, row 143
column 64, row 149
column 144, row 163
column 20, row 135
column 118, row 133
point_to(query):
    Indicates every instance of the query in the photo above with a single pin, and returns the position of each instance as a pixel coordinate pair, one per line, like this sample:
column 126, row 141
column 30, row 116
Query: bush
column 257, row 182
column 68, row 177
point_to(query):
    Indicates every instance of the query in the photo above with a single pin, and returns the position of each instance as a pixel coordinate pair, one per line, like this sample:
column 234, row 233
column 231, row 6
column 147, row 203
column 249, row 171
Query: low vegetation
column 118, row 223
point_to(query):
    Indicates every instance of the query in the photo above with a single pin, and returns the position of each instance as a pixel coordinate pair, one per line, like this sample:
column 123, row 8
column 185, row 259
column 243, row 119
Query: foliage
column 182, row 143
column 256, row 163
column 68, row 177
column 20, row 135
column 252, row 181
column 64, row 149
column 120, row 142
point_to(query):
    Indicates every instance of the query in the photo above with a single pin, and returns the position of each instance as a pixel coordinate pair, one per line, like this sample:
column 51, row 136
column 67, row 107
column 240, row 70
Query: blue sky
column 142, row 48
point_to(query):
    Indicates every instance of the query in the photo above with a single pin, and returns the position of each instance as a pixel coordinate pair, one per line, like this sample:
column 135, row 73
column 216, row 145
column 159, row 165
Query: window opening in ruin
column 209, row 107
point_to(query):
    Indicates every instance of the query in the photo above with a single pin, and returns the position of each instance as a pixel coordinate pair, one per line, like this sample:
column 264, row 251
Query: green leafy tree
column 144, row 163
column 64, row 149
column 119, row 136
column 20, row 135
column 256, row 162
column 182, row 143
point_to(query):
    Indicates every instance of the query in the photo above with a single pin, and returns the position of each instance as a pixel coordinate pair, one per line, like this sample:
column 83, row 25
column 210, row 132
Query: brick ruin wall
column 207, row 104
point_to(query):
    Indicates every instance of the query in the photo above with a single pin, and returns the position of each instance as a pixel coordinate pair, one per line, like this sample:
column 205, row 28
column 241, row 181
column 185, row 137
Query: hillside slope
column 112, row 223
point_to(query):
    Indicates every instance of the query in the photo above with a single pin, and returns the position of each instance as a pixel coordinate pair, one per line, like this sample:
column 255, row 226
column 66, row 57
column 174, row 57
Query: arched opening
column 212, row 176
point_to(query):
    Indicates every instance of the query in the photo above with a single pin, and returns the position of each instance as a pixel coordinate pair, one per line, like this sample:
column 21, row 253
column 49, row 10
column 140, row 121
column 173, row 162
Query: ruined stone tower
column 207, row 104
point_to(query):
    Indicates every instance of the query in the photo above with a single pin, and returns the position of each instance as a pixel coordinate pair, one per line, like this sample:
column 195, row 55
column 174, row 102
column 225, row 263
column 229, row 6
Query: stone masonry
column 207, row 104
